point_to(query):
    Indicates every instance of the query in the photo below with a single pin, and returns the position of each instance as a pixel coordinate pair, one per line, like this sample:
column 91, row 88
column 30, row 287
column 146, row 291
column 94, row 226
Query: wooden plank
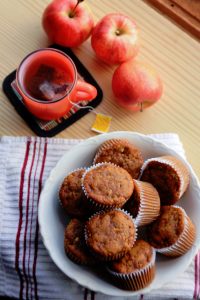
column 191, row 6
column 184, row 12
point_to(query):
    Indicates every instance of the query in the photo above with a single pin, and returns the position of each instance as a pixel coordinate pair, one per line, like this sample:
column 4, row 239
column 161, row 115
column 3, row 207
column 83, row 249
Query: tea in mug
column 47, row 81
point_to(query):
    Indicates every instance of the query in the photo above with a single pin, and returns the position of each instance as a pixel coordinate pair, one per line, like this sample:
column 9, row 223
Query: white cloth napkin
column 26, row 270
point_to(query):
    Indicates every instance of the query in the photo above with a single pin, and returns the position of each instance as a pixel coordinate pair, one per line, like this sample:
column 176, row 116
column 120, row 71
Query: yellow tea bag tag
column 101, row 123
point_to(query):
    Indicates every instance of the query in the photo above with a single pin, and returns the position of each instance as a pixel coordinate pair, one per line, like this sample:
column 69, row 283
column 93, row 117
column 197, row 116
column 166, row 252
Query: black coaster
column 51, row 128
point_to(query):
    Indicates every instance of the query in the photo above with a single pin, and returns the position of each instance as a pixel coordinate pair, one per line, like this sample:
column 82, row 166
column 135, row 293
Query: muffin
column 172, row 233
column 144, row 204
column 74, row 243
column 107, row 186
column 168, row 175
column 122, row 153
column 110, row 234
column 136, row 269
column 71, row 196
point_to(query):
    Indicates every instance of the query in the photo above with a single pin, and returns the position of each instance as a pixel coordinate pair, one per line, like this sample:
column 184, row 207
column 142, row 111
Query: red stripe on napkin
column 196, row 277
column 26, row 224
column 92, row 295
column 31, row 225
column 37, row 225
column 85, row 294
column 17, row 245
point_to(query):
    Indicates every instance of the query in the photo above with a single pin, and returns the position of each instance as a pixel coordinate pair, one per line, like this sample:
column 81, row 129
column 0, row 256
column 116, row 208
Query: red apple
column 67, row 22
column 115, row 38
column 136, row 85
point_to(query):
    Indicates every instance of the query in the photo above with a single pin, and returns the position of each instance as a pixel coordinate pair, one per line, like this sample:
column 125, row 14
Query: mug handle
column 84, row 91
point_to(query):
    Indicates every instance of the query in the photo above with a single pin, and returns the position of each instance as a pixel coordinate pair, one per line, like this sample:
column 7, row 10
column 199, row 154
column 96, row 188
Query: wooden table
column 174, row 53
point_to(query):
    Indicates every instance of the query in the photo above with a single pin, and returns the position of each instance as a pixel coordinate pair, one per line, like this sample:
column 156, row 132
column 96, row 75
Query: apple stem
column 117, row 32
column 73, row 11
column 141, row 107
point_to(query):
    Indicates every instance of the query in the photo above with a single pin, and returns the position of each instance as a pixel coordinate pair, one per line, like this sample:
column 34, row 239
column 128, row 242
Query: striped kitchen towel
column 26, row 270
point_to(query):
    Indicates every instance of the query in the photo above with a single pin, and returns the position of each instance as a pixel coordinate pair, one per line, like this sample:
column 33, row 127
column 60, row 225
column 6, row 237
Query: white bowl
column 53, row 220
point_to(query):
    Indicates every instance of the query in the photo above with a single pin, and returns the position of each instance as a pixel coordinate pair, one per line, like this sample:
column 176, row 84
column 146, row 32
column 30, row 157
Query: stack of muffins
column 115, row 196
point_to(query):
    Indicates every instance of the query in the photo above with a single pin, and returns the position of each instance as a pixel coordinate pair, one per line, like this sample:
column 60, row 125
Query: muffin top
column 122, row 153
column 71, row 194
column 108, row 184
column 165, row 179
column 109, row 233
column 167, row 228
column 137, row 258
column 74, row 243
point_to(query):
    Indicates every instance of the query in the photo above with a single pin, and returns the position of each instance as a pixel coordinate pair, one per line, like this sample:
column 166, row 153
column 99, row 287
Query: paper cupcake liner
column 93, row 204
column 109, row 257
column 78, row 261
column 98, row 207
column 179, row 167
column 184, row 242
column 74, row 258
column 149, row 208
column 58, row 191
column 138, row 279
column 107, row 144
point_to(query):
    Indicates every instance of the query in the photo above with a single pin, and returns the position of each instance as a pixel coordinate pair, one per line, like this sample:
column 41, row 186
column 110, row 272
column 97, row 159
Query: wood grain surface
column 175, row 55
column 185, row 12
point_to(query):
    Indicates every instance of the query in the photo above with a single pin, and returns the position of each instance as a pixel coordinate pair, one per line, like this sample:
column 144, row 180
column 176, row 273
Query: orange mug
column 47, row 81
